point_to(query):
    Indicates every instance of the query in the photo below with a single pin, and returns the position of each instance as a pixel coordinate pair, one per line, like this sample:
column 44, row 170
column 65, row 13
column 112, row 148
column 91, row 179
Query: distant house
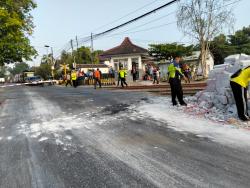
column 193, row 61
column 127, row 55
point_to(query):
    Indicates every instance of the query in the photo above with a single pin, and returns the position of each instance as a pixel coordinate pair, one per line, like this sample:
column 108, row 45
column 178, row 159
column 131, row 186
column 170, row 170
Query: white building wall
column 129, row 65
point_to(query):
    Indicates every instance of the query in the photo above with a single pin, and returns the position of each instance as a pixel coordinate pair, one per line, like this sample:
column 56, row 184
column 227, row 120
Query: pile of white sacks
column 217, row 101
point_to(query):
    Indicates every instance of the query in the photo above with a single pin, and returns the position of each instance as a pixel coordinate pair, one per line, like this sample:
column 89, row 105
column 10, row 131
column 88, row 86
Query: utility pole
column 92, row 49
column 77, row 42
column 53, row 65
column 77, row 46
column 72, row 47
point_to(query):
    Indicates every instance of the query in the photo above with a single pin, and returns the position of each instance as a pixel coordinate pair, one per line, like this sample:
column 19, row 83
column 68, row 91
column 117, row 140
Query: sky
column 59, row 21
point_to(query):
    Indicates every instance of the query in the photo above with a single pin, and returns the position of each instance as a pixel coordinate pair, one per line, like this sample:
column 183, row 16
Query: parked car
column 34, row 80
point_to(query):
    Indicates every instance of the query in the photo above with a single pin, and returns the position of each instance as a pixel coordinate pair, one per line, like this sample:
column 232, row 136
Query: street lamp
column 52, row 59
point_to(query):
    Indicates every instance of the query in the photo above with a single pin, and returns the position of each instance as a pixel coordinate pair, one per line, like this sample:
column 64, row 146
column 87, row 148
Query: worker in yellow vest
column 239, row 84
column 175, row 75
column 74, row 78
column 123, row 74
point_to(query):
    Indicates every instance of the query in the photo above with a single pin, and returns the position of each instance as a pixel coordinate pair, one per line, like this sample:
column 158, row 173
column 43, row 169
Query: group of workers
column 72, row 78
column 239, row 84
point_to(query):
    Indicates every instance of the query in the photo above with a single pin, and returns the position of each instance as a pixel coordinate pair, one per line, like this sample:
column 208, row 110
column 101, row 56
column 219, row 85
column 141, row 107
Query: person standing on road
column 123, row 75
column 74, row 78
column 156, row 75
column 118, row 78
column 239, row 83
column 97, row 76
column 68, row 80
column 175, row 76
column 134, row 73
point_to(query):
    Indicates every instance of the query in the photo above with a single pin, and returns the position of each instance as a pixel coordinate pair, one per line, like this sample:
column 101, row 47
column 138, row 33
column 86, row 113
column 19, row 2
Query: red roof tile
column 126, row 47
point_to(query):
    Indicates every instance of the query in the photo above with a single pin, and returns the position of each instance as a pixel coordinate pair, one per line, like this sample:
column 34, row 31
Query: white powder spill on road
column 59, row 142
column 42, row 139
column 9, row 138
column 162, row 110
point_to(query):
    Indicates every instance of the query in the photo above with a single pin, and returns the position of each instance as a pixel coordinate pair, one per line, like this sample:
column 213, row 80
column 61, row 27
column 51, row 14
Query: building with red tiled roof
column 127, row 55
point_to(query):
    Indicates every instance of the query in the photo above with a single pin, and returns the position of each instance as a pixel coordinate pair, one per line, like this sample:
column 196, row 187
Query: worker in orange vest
column 97, row 76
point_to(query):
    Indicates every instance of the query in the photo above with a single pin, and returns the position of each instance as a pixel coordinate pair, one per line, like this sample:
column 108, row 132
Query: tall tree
column 19, row 68
column 241, row 40
column 44, row 70
column 82, row 55
column 15, row 28
column 203, row 20
column 168, row 51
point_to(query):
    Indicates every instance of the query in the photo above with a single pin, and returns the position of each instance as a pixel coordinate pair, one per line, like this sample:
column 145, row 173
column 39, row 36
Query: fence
column 106, row 79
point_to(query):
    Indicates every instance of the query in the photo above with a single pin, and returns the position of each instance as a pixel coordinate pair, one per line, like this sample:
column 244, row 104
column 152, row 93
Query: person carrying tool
column 175, row 76
column 239, row 83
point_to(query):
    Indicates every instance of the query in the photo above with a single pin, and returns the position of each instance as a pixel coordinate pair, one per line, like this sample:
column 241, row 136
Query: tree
column 2, row 72
column 19, row 68
column 168, row 51
column 15, row 27
column 44, row 70
column 241, row 40
column 82, row 55
column 203, row 20
column 222, row 46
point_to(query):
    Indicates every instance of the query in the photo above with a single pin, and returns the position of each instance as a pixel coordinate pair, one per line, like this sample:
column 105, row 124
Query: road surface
column 64, row 137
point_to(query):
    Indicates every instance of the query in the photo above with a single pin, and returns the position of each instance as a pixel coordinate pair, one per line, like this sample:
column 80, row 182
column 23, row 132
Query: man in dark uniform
column 239, row 84
column 175, row 75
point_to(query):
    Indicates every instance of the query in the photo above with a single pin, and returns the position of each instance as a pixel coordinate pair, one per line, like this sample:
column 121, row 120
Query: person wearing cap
column 175, row 75
column 97, row 77
column 239, row 83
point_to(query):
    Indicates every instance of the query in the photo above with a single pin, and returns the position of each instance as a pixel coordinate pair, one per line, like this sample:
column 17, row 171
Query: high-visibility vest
column 73, row 76
column 172, row 71
column 122, row 73
column 97, row 74
column 243, row 78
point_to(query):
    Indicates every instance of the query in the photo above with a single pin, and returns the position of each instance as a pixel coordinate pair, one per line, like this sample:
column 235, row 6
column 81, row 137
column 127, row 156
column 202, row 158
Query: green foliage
column 223, row 46
column 81, row 56
column 15, row 27
column 2, row 71
column 168, row 51
column 44, row 70
column 19, row 68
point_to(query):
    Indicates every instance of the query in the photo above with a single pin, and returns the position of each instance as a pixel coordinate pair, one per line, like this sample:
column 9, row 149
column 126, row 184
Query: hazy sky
column 58, row 21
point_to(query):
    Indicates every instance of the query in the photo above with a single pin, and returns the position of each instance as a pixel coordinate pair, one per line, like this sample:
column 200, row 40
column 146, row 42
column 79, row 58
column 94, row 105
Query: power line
column 96, row 36
column 147, row 29
column 137, row 18
column 150, row 21
column 127, row 14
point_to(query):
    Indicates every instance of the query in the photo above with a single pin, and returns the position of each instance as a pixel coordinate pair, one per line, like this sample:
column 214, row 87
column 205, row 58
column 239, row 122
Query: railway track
column 164, row 89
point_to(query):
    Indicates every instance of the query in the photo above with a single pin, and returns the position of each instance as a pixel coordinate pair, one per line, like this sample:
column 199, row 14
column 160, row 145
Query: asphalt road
column 64, row 137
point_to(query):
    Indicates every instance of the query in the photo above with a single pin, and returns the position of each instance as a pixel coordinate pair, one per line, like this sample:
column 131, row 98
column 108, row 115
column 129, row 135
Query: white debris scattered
column 216, row 102
column 9, row 138
column 68, row 137
column 161, row 109
column 59, row 142
column 43, row 139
